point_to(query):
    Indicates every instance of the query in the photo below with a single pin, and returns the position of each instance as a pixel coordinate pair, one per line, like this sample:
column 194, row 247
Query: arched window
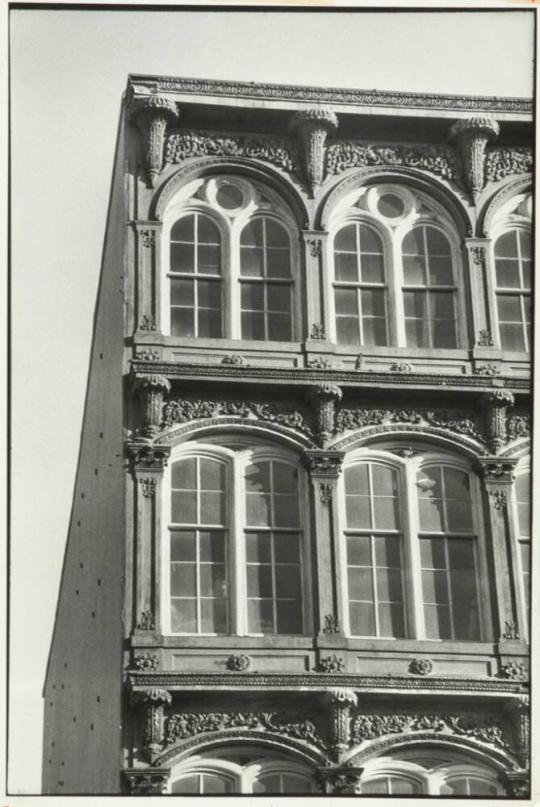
column 468, row 786
column 429, row 289
column 235, row 550
column 448, row 553
column 374, row 538
column 282, row 782
column 411, row 555
column 195, row 277
column 266, row 283
column 198, row 549
column 273, row 548
column 359, row 286
column 513, row 289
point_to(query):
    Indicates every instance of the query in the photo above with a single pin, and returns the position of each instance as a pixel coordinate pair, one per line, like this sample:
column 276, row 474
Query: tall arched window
column 273, row 548
column 198, row 550
column 204, row 783
column 374, row 538
column 429, row 289
column 411, row 553
column 392, row 786
column 195, row 277
column 513, row 289
column 448, row 553
column 235, row 554
column 266, row 283
column 359, row 286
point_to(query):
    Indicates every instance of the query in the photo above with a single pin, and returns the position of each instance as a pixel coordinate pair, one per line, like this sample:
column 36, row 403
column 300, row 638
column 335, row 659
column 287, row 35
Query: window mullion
column 238, row 537
column 411, row 531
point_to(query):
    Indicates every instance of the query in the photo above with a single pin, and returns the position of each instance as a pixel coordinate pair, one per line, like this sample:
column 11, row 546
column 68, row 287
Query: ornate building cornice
column 331, row 95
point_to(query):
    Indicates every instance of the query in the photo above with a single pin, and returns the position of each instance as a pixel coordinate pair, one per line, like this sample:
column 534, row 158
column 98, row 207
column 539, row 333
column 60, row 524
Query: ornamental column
column 324, row 469
column 312, row 127
column 520, row 714
column 153, row 702
column 496, row 406
column 471, row 137
column 148, row 463
column 498, row 475
column 151, row 389
column 324, row 399
column 151, row 115
column 341, row 703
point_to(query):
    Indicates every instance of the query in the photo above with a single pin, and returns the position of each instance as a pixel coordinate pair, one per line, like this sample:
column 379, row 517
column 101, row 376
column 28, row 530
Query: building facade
column 298, row 557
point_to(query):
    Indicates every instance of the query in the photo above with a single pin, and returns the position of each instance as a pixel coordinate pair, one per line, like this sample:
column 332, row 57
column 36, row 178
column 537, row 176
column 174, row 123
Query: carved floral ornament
column 471, row 136
column 151, row 115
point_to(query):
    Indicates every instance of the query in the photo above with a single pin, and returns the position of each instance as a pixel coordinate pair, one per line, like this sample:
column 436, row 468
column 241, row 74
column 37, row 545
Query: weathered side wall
column 83, row 688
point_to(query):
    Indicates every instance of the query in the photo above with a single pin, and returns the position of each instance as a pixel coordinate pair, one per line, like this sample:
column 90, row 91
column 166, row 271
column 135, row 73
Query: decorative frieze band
column 280, row 151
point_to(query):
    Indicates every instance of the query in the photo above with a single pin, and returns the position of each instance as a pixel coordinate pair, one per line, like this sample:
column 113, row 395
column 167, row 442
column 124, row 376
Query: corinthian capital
column 472, row 136
column 151, row 116
column 312, row 127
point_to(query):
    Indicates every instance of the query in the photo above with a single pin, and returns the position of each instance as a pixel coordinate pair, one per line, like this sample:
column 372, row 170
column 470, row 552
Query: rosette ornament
column 151, row 115
column 471, row 136
column 312, row 127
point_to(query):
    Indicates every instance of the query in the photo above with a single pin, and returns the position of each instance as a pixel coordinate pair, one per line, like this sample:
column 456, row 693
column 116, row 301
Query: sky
column 68, row 73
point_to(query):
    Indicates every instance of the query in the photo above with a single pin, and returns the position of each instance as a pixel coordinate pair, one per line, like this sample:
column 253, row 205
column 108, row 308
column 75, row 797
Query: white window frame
column 244, row 777
column 236, row 462
column 413, row 602
column 430, row 780
column 493, row 289
column 230, row 224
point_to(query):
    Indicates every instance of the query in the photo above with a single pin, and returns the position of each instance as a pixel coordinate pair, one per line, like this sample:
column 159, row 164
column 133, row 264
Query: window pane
column 207, row 232
column 183, row 507
column 187, row 784
column 288, row 583
column 386, row 513
column 259, row 581
column 440, row 271
column 229, row 196
column 358, row 512
column 509, row 308
column 183, row 546
column 369, row 240
column 279, row 327
column 373, row 303
column 216, row 784
column 346, row 239
column 252, row 326
column 372, row 268
column 390, row 205
column 507, row 272
column 182, row 257
column 212, row 547
column 252, row 233
column 374, row 331
column 432, row 553
column 184, row 229
column 387, row 550
column 279, row 297
column 289, row 617
column 415, row 304
column 506, row 245
column 260, row 619
column 431, row 514
column 442, row 305
column 278, row 263
column 512, row 337
column 437, row 619
column 287, row 547
column 404, row 787
column 209, row 260
column 183, row 580
column 276, row 235
column 213, row 580
column 358, row 550
column 183, row 616
column 525, row 243
column 184, row 474
column 284, row 477
column 258, row 509
column 182, row 292
column 360, row 583
column 347, row 331
column 209, row 294
column 252, row 295
column 258, row 547
column 413, row 243
column 362, row 618
column 437, row 242
column 356, row 479
column 182, row 322
column 414, row 270
column 251, row 262
column 391, row 621
column 375, row 786
column 346, row 301
column 346, row 266
column 389, row 585
column 212, row 508
column 435, row 587
column 285, row 510
column 209, row 323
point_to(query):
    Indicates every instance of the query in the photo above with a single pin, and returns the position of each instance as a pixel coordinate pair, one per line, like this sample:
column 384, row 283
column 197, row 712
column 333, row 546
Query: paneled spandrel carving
column 461, row 422
column 438, row 160
column 503, row 162
column 280, row 151
column 183, row 411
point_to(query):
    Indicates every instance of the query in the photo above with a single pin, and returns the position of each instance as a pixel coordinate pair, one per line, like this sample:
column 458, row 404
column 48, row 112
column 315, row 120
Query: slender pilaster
column 314, row 242
column 147, row 285
column 496, row 405
column 153, row 702
column 152, row 389
column 482, row 325
column 341, row 702
column 324, row 468
column 498, row 475
column 324, row 399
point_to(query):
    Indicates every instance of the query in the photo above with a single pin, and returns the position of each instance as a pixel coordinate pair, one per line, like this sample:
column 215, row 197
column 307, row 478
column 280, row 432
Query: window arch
column 396, row 276
column 235, row 549
column 512, row 253
column 240, row 769
column 231, row 266
column 413, row 557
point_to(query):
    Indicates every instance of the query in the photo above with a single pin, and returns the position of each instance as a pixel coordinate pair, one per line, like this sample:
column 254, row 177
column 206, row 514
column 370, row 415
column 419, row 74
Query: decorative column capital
column 146, row 456
column 472, row 136
column 343, row 698
column 517, row 783
column 151, row 115
column 312, row 127
column 340, row 781
column 324, row 463
column 152, row 696
column 151, row 389
column 146, row 781
column 497, row 470
column 152, row 381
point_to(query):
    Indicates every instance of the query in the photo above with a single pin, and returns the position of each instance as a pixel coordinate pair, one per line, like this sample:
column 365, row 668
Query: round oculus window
column 229, row 196
column 390, row 205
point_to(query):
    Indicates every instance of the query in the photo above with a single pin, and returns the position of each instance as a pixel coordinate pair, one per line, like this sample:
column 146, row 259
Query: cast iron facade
column 298, row 554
